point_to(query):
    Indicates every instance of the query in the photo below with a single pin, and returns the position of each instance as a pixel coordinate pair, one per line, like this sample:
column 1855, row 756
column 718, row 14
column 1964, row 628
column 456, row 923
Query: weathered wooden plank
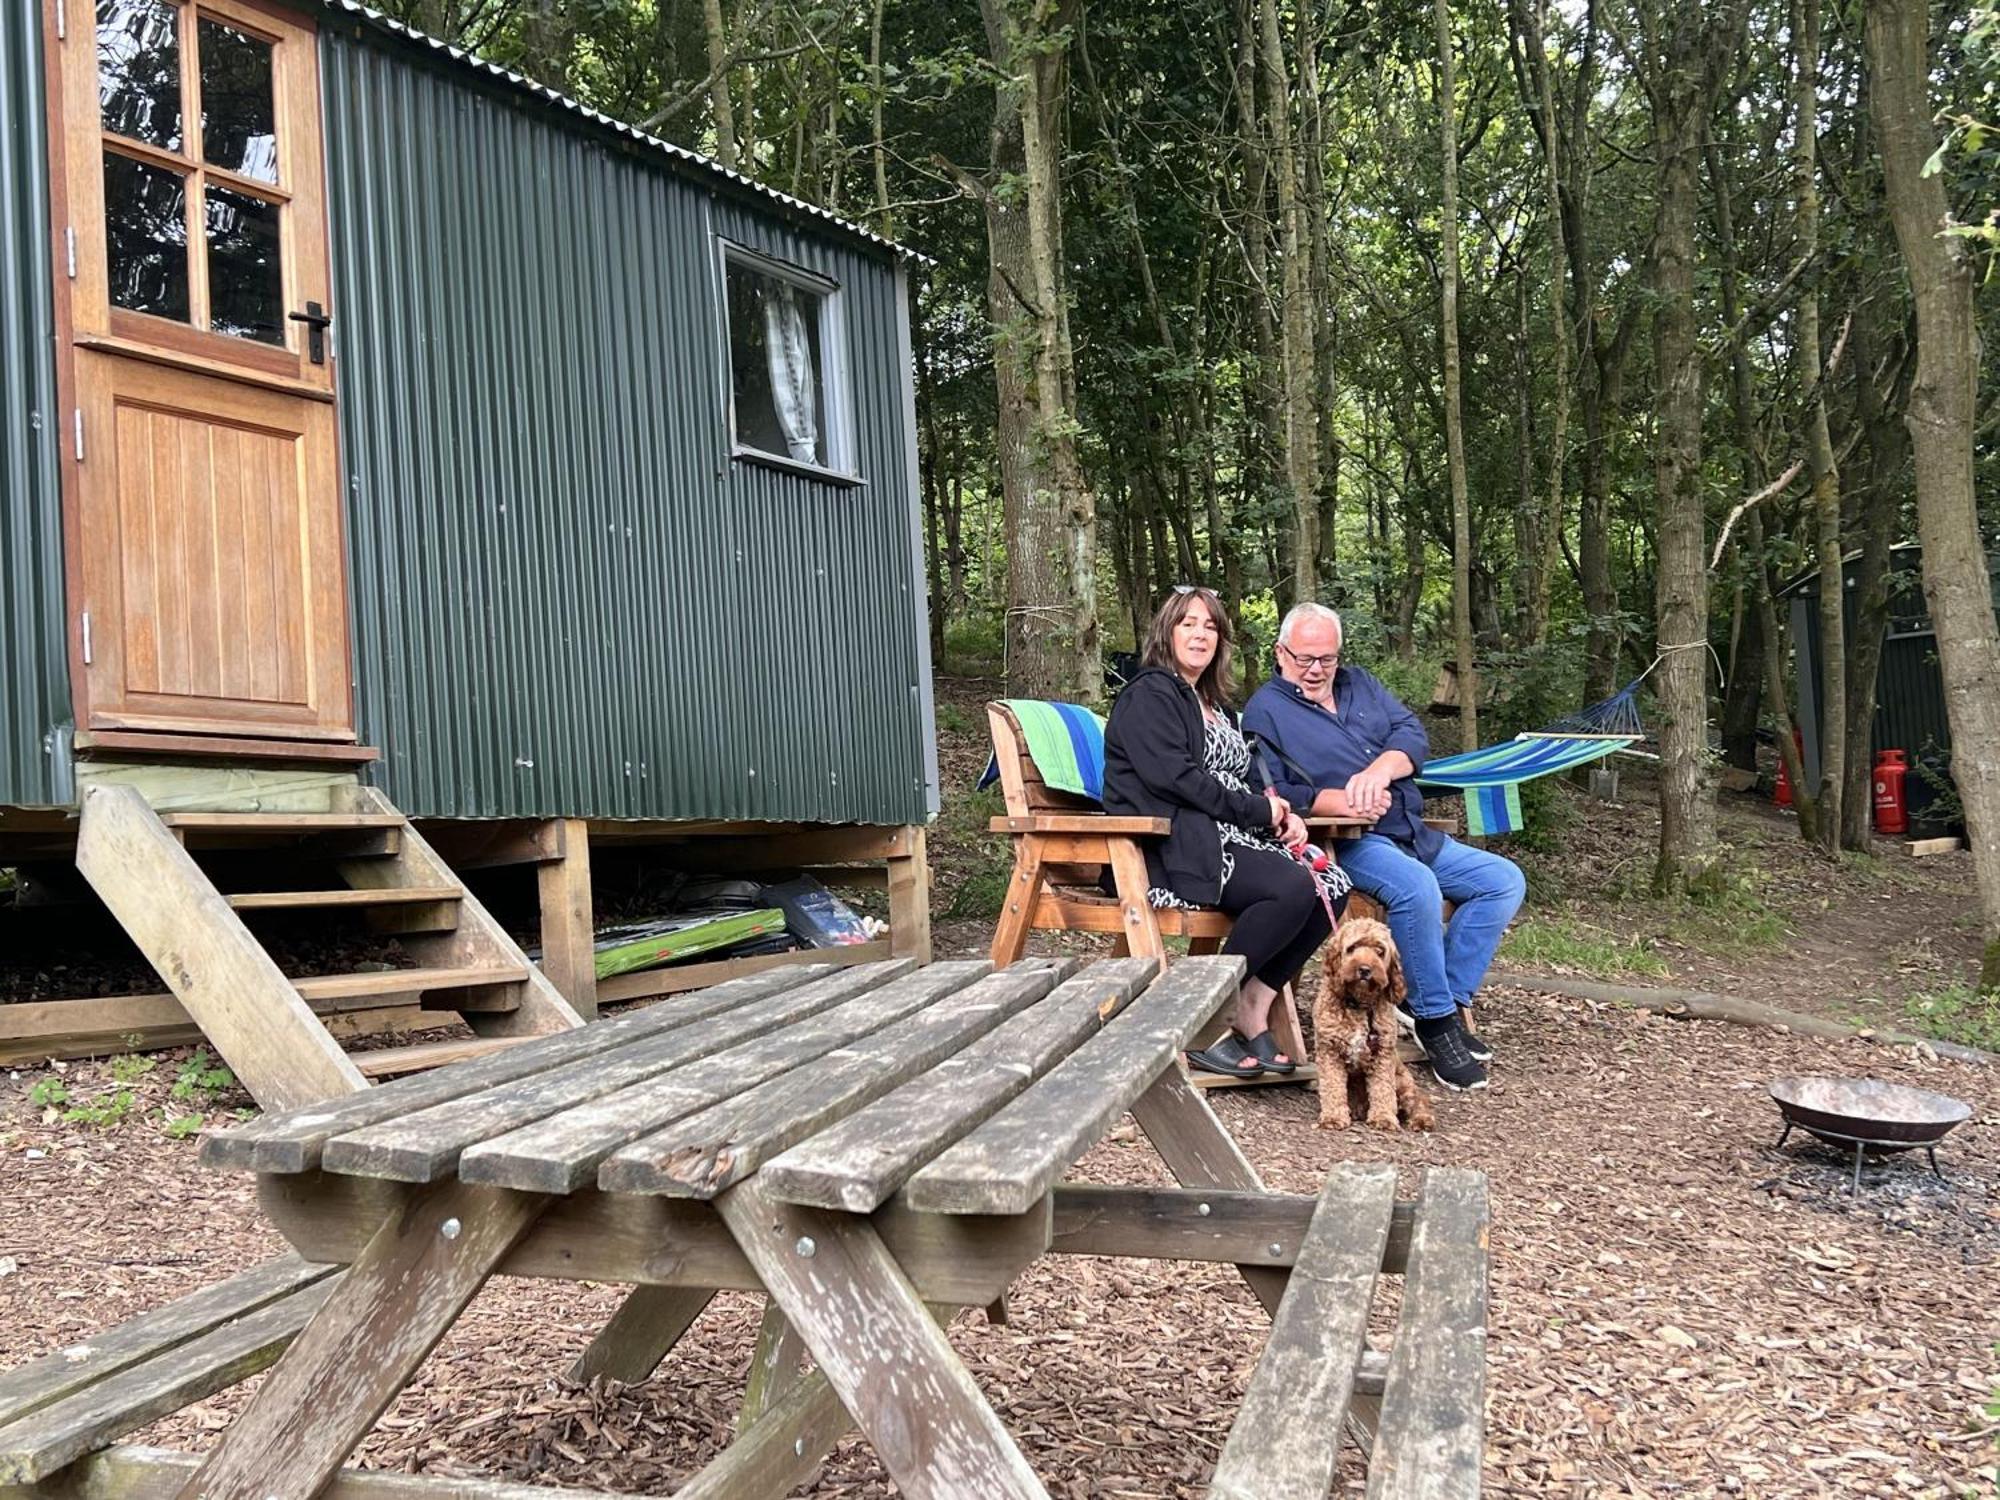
column 779, row 1451
column 42, row 1381
column 426, row 1145
column 292, row 1142
column 880, row 1349
column 1429, row 1443
column 774, row 1367
column 1285, row 1441
column 910, row 900
column 1215, row 1226
column 859, row 1163
column 1016, row 1156
column 1201, row 1154
column 962, row 1260
column 45, row 1439
column 209, row 959
column 393, row 1062
column 344, row 897
column 700, row 1156
column 406, row 981
column 408, row 1286
column 569, row 956
column 648, row 1323
column 136, row 1473
column 559, row 1153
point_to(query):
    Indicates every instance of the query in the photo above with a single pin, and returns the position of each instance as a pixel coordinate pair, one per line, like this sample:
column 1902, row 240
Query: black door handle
column 317, row 321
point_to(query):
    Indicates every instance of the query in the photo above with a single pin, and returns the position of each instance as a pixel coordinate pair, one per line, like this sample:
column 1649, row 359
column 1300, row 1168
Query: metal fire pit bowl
column 1868, row 1115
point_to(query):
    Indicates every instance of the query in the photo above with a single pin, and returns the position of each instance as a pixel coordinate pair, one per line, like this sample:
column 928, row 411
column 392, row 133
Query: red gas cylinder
column 1891, row 812
column 1783, row 795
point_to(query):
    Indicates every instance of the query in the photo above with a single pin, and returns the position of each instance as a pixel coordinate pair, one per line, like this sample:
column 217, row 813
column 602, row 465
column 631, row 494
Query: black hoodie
column 1153, row 768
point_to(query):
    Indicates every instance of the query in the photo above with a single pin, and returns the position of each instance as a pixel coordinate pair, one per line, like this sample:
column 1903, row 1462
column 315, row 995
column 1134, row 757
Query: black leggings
column 1279, row 918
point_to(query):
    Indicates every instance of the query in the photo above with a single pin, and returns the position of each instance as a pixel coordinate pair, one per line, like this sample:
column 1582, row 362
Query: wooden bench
column 1416, row 1411
column 1064, row 846
column 57, row 1408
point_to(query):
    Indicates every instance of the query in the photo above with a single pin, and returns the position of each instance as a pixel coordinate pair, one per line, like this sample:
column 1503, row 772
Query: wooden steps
column 406, row 981
column 387, row 896
column 270, row 1028
column 389, row 1062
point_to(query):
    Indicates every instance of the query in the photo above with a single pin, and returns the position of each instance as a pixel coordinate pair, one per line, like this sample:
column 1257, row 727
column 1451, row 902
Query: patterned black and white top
column 1226, row 757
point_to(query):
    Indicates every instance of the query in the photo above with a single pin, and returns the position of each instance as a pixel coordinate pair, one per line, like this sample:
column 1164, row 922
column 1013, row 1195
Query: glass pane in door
column 145, row 231
column 246, row 277
column 139, row 70
column 238, row 122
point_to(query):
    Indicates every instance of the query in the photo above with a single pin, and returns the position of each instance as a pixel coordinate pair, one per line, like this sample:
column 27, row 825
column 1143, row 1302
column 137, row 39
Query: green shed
column 399, row 448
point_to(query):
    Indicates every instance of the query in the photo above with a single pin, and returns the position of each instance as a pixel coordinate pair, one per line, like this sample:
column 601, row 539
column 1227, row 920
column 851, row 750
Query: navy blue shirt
column 1330, row 747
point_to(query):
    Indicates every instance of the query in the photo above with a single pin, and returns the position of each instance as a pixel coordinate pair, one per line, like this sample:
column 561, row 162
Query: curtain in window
column 792, row 390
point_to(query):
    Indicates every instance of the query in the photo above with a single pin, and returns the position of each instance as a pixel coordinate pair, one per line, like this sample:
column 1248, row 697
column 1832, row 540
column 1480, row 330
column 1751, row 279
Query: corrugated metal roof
column 34, row 673
column 706, row 166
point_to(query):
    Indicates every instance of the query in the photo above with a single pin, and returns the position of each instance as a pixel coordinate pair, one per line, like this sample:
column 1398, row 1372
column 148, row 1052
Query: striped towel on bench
column 1066, row 743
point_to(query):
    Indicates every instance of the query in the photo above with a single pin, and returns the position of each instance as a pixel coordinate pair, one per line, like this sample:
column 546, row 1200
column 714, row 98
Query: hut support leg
column 568, row 921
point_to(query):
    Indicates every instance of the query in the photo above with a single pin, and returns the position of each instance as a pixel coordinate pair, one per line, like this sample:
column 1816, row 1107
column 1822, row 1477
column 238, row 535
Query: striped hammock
column 1491, row 777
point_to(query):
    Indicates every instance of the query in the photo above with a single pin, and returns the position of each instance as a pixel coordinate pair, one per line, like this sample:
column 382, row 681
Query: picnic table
column 871, row 1148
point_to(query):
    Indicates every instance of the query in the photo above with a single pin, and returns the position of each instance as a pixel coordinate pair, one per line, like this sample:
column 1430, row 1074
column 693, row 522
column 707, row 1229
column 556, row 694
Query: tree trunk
column 877, row 149
column 1689, row 49
column 1262, row 400
column 1528, row 579
column 1296, row 318
column 1877, row 508
column 1941, row 414
column 1743, row 698
column 720, row 110
column 1825, row 478
column 1051, row 629
column 1454, row 434
column 1756, row 464
column 1529, row 21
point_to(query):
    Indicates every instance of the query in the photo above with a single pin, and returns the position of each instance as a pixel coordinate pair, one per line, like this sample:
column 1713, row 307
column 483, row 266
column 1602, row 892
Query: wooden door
column 207, row 563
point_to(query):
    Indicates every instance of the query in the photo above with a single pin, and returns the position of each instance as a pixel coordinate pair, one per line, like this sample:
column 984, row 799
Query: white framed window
column 788, row 401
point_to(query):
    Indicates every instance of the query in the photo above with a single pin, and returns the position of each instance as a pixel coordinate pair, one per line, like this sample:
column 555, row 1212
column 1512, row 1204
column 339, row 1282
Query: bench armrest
column 1098, row 823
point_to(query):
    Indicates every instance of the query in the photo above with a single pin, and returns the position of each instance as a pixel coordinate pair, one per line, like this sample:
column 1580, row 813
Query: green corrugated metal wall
column 34, row 674
column 568, row 600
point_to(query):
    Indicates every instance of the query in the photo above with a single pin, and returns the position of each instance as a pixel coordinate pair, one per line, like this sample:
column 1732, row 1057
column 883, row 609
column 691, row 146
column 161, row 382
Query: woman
column 1173, row 749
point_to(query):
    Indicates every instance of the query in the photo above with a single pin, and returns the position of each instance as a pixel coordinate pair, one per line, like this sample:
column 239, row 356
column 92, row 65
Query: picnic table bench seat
column 868, row 1147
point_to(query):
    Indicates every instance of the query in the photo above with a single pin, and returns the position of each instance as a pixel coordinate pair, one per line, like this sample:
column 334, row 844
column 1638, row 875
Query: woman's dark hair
column 1158, row 650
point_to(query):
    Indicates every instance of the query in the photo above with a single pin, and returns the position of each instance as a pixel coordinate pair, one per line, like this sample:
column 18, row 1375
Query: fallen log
column 1700, row 1005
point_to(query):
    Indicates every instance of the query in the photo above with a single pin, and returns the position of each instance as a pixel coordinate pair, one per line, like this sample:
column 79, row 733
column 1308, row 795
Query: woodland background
column 1482, row 322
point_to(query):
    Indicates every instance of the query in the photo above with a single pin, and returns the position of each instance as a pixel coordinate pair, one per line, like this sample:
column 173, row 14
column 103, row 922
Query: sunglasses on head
column 1194, row 588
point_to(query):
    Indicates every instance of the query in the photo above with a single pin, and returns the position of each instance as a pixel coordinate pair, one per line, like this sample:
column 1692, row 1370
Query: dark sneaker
column 1474, row 1043
column 1443, row 1041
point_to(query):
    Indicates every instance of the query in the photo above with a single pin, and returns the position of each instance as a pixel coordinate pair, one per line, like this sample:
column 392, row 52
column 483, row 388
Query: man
column 1341, row 743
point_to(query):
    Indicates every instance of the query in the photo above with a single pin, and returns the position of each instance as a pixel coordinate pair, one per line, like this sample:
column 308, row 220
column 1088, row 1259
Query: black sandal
column 1264, row 1047
column 1230, row 1056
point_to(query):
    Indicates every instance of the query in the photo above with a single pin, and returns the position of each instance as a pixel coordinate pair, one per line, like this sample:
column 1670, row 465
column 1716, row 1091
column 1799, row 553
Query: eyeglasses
column 1194, row 588
column 1307, row 663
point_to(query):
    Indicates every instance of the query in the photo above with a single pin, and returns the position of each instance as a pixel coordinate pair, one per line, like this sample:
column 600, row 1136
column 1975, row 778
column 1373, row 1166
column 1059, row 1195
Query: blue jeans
column 1442, row 964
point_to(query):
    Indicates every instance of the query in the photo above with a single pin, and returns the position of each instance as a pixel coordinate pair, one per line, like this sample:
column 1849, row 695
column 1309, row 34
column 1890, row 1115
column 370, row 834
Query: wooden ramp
column 268, row 1027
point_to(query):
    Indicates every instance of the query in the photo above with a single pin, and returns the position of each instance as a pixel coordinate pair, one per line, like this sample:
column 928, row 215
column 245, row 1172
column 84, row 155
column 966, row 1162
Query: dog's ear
column 1397, row 989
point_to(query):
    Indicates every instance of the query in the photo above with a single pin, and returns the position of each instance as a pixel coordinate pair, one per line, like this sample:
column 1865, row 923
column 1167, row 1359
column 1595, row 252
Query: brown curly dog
column 1354, row 1032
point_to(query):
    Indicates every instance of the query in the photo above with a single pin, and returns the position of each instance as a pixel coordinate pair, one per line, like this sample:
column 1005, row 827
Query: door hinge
column 69, row 249
column 77, row 413
column 86, row 637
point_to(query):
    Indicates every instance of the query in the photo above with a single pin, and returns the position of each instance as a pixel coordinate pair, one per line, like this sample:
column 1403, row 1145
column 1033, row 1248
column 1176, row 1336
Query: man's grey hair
column 1299, row 613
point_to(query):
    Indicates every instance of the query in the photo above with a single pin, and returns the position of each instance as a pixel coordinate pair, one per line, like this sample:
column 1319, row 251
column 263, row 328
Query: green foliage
column 201, row 1078
column 48, row 1092
column 103, row 1111
column 978, row 887
column 1564, row 943
column 951, row 719
column 180, row 1127
column 973, row 647
column 1958, row 1013
column 128, row 1068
